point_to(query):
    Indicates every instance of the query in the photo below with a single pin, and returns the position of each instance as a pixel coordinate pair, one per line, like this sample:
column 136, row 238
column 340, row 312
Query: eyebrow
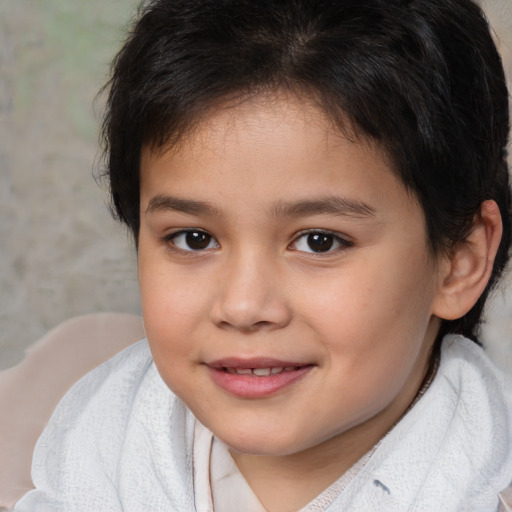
column 333, row 205
column 162, row 203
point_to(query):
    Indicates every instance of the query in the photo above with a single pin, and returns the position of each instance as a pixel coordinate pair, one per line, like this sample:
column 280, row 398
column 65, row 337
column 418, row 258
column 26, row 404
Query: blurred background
column 61, row 254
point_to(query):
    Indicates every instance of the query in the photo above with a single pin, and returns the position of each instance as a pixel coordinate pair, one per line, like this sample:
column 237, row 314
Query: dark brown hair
column 422, row 78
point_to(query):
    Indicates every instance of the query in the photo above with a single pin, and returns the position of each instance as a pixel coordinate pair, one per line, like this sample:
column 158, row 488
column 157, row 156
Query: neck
column 288, row 483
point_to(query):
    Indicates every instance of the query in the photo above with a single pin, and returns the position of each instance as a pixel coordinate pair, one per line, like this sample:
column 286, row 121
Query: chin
column 266, row 444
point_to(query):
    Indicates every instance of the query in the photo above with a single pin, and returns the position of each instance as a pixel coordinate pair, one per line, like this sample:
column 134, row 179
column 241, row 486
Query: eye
column 192, row 240
column 319, row 242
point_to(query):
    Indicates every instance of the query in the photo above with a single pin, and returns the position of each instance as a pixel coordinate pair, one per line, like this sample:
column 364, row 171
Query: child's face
column 270, row 241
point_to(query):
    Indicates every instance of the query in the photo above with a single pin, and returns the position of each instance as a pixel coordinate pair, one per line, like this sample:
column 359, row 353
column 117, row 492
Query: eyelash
column 170, row 241
column 342, row 243
column 335, row 239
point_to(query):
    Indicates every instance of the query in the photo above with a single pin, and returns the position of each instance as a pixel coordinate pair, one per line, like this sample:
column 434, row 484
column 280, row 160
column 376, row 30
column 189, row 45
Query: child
column 320, row 200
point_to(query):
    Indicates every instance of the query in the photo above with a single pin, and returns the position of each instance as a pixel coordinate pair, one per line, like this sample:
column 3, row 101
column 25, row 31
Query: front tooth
column 243, row 371
column 261, row 372
column 276, row 370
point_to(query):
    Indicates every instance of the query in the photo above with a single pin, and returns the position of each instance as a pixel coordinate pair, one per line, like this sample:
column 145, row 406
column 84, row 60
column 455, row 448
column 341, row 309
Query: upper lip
column 254, row 362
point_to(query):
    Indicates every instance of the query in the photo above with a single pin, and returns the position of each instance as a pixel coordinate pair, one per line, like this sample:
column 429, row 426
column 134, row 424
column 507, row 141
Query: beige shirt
column 220, row 487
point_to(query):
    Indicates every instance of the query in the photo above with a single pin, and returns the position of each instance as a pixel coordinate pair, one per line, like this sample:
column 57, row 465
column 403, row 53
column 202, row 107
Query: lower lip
column 252, row 386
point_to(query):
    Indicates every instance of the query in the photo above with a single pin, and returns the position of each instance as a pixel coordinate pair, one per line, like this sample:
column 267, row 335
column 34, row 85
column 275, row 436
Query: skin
column 363, row 315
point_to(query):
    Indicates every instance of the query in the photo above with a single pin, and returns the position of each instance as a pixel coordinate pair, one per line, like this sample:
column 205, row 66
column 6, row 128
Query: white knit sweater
column 121, row 441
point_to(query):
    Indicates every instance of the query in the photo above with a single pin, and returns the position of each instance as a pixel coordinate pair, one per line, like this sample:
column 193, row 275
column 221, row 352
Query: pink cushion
column 30, row 391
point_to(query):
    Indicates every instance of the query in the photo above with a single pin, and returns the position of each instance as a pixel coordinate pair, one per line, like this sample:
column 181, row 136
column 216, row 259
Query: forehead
column 278, row 114
column 277, row 148
column 225, row 118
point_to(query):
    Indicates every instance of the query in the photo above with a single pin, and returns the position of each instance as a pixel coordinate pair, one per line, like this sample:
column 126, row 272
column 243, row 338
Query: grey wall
column 60, row 253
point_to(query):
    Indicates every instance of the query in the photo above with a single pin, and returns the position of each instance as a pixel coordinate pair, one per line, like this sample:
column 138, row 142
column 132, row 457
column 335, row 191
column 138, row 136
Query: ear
column 465, row 272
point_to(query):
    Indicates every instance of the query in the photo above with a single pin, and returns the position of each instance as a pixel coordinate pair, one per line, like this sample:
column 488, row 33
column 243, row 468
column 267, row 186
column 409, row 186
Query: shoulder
column 476, row 397
column 116, row 429
column 109, row 386
column 473, row 378
column 92, row 418
column 453, row 450
column 466, row 416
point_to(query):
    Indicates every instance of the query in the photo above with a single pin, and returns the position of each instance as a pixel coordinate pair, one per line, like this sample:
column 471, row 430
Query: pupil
column 319, row 242
column 197, row 240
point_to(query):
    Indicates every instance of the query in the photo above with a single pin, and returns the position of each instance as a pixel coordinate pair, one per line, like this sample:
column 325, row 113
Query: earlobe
column 465, row 272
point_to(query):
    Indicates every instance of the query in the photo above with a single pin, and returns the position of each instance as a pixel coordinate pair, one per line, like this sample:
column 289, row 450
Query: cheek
column 169, row 310
column 165, row 288
column 171, row 304
column 373, row 314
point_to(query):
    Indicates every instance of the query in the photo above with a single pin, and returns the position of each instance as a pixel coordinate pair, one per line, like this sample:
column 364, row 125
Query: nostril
column 262, row 325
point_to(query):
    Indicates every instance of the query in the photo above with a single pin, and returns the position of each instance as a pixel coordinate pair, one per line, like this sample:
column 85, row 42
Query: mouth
column 256, row 378
column 261, row 372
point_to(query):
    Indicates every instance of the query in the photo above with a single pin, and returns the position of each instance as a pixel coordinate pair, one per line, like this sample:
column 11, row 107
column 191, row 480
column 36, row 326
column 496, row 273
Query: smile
column 261, row 372
column 256, row 378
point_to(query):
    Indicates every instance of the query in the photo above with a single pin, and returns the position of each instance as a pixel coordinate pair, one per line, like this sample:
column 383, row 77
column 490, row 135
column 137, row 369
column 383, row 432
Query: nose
column 251, row 296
